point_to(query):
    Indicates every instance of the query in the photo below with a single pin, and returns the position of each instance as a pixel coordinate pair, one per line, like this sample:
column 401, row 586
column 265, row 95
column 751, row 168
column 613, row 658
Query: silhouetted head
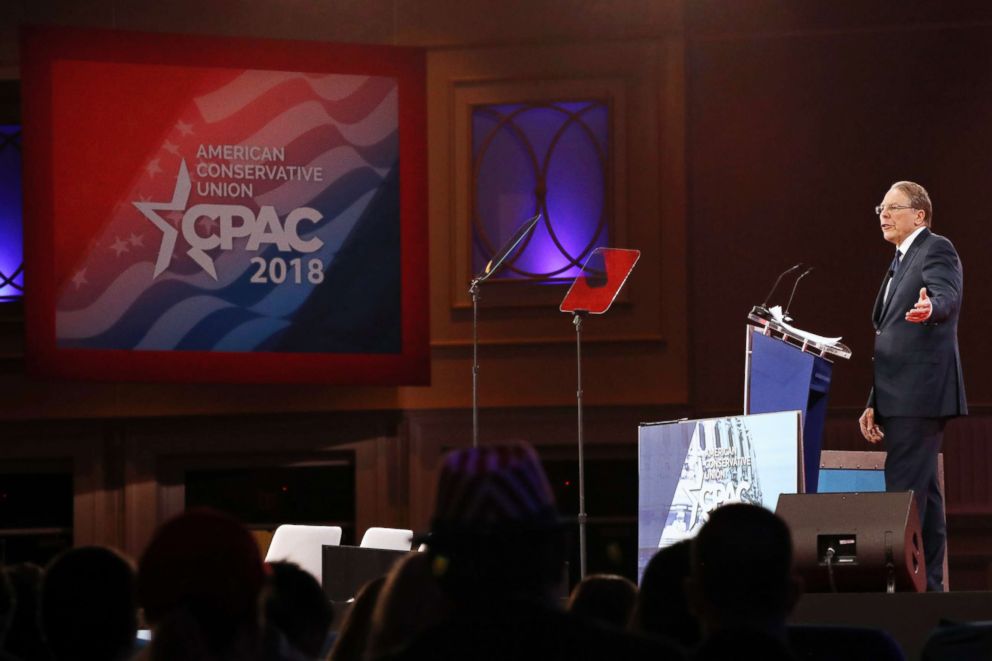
column 742, row 574
column 88, row 606
column 295, row 604
column 495, row 530
column 203, row 571
column 353, row 637
column 410, row 603
column 662, row 607
column 606, row 598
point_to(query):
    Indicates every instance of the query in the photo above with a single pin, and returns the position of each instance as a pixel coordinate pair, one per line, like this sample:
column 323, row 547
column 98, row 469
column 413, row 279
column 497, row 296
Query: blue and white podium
column 789, row 370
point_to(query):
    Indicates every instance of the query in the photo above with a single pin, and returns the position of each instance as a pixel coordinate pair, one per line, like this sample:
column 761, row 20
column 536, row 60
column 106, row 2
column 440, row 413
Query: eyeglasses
column 881, row 208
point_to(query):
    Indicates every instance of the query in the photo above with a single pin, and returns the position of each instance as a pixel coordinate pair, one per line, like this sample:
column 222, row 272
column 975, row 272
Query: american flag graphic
column 343, row 297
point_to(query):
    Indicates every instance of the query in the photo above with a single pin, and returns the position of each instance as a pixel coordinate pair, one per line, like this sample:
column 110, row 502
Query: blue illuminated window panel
column 551, row 158
column 11, row 205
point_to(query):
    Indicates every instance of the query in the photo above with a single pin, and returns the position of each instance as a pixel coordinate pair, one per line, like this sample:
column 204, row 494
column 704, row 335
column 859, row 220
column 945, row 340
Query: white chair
column 395, row 539
column 303, row 545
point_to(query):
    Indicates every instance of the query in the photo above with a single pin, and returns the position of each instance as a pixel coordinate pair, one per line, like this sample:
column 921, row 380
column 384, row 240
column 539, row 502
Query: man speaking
column 917, row 382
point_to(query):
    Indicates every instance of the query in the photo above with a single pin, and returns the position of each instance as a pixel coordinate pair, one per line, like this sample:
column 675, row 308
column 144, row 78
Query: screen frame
column 42, row 47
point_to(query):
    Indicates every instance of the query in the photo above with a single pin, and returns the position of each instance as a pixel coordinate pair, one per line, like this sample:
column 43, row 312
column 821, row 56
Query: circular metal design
column 540, row 167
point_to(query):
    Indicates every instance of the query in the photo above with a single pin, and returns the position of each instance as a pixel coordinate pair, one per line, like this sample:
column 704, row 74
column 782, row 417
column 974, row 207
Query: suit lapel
column 904, row 266
column 876, row 312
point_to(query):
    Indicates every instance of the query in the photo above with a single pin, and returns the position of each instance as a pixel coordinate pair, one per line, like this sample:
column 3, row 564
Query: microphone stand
column 474, row 291
column 785, row 315
column 762, row 310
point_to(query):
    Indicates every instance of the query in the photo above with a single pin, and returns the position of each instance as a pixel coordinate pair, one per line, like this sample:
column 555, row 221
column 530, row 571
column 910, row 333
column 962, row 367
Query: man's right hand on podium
column 869, row 429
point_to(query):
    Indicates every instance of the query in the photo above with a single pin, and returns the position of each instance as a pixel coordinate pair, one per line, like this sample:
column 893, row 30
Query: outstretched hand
column 922, row 310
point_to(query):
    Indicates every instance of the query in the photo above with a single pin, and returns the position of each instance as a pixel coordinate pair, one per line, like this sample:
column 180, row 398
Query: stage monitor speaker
column 856, row 542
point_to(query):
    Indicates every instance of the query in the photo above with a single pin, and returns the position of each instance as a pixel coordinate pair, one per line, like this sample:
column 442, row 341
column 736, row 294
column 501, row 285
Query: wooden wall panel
column 608, row 432
column 440, row 23
column 968, row 448
column 89, row 451
column 528, row 342
column 158, row 452
column 793, row 138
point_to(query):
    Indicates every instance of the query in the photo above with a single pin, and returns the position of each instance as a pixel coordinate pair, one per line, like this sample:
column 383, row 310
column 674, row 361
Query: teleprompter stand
column 593, row 292
column 491, row 267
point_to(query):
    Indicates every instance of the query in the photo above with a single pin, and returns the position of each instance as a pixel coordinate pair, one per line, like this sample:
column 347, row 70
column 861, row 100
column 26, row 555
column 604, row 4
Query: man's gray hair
column 918, row 198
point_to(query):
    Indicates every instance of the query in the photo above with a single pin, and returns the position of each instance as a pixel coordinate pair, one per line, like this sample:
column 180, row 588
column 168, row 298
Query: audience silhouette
column 24, row 640
column 486, row 588
column 352, row 640
column 662, row 608
column 497, row 549
column 606, row 598
column 742, row 585
column 199, row 582
column 410, row 602
column 8, row 602
column 297, row 614
column 88, row 608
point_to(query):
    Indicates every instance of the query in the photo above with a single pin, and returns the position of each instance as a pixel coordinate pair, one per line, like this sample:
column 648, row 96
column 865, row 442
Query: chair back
column 396, row 539
column 303, row 545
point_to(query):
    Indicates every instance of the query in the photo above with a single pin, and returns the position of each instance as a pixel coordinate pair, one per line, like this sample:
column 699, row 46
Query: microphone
column 779, row 279
column 762, row 310
column 785, row 315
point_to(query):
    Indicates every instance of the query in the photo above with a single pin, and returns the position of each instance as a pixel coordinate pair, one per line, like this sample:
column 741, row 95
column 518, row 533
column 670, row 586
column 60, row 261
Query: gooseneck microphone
column 778, row 280
column 785, row 315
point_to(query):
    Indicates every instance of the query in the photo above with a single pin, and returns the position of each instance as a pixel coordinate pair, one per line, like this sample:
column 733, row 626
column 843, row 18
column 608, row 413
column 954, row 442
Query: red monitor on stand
column 602, row 277
column 593, row 292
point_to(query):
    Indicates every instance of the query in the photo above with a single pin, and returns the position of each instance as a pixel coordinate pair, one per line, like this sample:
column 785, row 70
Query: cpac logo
column 234, row 221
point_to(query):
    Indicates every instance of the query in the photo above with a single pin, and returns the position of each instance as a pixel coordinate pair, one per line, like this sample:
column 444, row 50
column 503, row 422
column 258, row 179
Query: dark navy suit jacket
column 918, row 366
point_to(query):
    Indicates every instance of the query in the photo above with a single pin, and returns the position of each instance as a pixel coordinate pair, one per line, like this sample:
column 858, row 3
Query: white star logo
column 80, row 278
column 169, row 233
column 184, row 128
column 119, row 247
column 137, row 240
column 171, row 148
column 153, row 167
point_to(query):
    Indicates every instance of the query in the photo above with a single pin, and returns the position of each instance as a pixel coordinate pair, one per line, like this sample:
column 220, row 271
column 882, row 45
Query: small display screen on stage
column 690, row 467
